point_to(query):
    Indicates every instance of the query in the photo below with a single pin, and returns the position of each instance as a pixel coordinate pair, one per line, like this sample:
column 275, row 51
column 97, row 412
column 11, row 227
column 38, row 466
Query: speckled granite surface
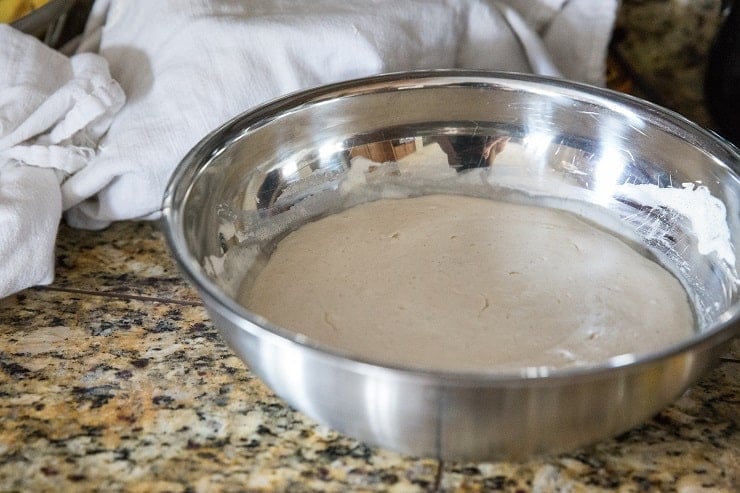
column 664, row 44
column 114, row 379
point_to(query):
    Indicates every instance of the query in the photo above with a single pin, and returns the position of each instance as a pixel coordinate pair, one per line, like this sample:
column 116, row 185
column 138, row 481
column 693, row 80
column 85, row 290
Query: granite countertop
column 663, row 44
column 113, row 378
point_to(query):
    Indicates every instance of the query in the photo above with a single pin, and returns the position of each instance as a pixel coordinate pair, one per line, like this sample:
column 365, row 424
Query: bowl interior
column 646, row 174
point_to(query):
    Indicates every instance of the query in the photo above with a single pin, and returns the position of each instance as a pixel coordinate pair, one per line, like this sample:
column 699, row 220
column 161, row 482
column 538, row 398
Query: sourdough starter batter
column 462, row 283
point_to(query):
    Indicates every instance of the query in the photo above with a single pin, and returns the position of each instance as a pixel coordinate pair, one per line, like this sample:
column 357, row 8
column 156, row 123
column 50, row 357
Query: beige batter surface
column 462, row 283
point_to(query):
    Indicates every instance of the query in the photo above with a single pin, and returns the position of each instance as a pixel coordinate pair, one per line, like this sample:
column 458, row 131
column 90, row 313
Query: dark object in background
column 56, row 22
column 46, row 22
column 722, row 84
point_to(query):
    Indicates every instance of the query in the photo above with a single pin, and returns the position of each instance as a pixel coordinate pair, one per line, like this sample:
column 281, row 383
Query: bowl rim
column 212, row 144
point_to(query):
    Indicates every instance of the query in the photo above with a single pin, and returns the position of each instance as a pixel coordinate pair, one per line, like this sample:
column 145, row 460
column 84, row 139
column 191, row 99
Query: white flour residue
column 706, row 214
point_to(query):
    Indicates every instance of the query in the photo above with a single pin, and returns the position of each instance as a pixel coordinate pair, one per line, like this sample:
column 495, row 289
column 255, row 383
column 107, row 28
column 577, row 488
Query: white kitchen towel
column 53, row 110
column 186, row 66
column 189, row 65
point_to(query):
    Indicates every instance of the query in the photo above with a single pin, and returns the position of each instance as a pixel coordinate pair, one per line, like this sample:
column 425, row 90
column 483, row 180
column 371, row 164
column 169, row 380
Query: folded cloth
column 189, row 65
column 575, row 32
column 53, row 110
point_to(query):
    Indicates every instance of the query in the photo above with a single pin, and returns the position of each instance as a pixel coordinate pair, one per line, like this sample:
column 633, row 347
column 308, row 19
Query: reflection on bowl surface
column 662, row 185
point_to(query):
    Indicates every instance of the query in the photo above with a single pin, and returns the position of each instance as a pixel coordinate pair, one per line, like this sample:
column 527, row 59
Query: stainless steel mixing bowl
column 639, row 169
